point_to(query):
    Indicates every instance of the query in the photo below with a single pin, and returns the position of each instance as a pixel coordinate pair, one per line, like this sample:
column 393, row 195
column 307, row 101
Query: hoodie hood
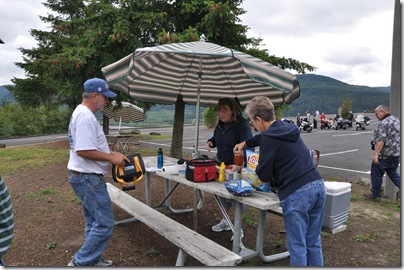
column 282, row 130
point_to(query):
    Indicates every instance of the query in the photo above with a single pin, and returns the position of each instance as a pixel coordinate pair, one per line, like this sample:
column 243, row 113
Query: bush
column 210, row 117
column 17, row 121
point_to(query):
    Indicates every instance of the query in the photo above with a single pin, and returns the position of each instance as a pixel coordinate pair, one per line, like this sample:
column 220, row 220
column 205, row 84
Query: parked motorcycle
column 344, row 124
column 362, row 122
column 326, row 123
column 306, row 126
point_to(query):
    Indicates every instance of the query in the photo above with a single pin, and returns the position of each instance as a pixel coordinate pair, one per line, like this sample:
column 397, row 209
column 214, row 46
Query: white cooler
column 337, row 202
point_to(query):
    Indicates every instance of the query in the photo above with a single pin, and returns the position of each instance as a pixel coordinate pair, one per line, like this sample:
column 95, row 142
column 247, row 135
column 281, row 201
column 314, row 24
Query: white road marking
column 341, row 169
column 338, row 153
column 352, row 134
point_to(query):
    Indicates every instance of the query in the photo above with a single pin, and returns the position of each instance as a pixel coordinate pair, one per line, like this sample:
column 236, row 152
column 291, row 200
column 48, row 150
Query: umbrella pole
column 196, row 153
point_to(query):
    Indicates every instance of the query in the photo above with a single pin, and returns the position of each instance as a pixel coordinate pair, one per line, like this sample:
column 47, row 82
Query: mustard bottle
column 221, row 172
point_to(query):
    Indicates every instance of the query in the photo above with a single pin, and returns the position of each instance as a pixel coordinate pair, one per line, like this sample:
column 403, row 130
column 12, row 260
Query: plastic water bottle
column 160, row 158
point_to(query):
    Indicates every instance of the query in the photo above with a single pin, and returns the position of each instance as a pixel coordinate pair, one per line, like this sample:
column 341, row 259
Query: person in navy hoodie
column 285, row 162
column 231, row 129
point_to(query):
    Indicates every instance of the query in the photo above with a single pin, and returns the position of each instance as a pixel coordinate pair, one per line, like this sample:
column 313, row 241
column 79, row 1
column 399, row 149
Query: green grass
column 250, row 221
column 365, row 238
column 153, row 252
column 42, row 194
column 17, row 158
column 51, row 245
column 38, row 156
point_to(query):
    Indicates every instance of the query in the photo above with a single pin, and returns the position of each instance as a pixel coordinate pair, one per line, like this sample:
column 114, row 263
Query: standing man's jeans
column 303, row 214
column 388, row 165
column 97, row 208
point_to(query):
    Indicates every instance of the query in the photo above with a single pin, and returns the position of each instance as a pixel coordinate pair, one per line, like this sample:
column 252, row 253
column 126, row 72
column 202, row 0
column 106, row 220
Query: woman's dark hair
column 232, row 104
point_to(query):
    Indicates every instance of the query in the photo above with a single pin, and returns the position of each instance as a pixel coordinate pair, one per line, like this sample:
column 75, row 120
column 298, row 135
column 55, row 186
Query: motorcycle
column 306, row 126
column 326, row 123
column 344, row 124
column 362, row 122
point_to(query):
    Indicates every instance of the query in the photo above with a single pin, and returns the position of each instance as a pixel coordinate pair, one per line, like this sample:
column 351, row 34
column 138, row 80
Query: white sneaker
column 104, row 262
column 241, row 235
column 222, row 226
column 72, row 263
column 100, row 263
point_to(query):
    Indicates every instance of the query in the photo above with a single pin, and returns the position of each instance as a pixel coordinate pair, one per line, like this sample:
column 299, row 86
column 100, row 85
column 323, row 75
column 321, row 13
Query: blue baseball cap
column 98, row 86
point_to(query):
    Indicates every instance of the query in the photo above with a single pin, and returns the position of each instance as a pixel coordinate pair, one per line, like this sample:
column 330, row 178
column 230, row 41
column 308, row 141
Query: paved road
column 33, row 140
column 344, row 153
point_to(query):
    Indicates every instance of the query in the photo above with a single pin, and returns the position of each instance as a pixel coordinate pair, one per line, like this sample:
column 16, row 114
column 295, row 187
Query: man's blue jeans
column 97, row 209
column 388, row 165
column 303, row 214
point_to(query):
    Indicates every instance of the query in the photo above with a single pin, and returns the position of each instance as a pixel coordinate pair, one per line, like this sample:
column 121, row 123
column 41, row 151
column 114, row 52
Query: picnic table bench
column 188, row 241
column 122, row 142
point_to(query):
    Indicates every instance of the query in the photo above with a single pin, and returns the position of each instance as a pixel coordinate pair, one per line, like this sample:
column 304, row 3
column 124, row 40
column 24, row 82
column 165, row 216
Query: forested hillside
column 324, row 94
column 318, row 93
column 5, row 95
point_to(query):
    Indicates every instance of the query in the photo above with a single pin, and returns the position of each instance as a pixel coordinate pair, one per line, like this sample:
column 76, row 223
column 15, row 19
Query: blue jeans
column 303, row 214
column 377, row 171
column 98, row 214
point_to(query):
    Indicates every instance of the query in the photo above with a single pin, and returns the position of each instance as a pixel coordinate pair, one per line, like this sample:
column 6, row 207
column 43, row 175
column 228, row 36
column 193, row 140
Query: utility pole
column 395, row 94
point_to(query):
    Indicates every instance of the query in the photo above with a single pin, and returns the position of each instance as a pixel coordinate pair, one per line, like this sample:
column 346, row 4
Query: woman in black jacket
column 231, row 129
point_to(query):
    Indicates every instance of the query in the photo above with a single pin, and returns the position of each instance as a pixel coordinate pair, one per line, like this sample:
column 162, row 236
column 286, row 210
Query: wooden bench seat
column 190, row 242
column 277, row 211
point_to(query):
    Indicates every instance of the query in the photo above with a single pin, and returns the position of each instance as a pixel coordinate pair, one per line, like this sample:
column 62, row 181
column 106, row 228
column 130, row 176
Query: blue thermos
column 160, row 159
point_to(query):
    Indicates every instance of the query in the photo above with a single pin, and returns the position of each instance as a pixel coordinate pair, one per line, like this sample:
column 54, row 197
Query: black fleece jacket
column 226, row 137
column 284, row 159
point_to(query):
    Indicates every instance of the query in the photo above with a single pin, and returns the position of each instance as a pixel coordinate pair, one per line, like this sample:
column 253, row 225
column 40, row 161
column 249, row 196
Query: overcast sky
column 349, row 40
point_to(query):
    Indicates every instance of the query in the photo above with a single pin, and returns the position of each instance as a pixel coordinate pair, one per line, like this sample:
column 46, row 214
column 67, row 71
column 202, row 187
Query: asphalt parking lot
column 344, row 153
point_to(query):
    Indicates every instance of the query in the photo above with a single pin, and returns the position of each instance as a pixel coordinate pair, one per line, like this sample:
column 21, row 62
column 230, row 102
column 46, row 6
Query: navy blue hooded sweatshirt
column 225, row 137
column 284, row 159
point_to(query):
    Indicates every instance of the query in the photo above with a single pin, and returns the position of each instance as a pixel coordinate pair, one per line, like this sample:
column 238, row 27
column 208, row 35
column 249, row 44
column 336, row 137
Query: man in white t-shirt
column 89, row 162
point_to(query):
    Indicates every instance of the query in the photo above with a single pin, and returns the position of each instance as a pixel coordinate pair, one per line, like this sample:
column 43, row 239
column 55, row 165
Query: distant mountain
column 325, row 94
column 5, row 95
column 318, row 93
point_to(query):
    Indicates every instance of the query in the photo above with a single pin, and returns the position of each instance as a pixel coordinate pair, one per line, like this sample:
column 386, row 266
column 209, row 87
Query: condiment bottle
column 239, row 158
column 221, row 172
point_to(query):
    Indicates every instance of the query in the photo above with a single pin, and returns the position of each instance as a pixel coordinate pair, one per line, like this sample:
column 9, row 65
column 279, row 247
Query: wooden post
column 395, row 95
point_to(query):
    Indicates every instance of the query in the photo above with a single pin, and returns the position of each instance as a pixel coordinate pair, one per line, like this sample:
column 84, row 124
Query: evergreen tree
column 84, row 36
column 346, row 107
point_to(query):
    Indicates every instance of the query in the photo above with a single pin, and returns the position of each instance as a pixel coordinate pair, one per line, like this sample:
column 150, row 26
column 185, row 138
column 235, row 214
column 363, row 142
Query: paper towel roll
column 170, row 169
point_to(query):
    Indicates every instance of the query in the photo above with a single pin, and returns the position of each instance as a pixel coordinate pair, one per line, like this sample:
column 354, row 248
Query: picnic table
column 122, row 142
column 263, row 201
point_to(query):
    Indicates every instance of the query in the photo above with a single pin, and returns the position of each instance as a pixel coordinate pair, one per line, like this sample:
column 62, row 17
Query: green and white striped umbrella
column 127, row 113
column 202, row 72
column 199, row 69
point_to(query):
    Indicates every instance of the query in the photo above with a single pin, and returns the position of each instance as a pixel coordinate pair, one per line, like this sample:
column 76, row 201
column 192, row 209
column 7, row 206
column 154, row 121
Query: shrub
column 210, row 117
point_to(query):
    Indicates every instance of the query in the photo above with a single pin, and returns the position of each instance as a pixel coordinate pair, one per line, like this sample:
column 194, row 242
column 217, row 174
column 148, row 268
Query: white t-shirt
column 85, row 133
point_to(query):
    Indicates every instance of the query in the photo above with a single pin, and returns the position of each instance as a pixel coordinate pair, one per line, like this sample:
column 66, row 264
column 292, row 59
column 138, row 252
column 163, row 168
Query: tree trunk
column 178, row 128
column 105, row 124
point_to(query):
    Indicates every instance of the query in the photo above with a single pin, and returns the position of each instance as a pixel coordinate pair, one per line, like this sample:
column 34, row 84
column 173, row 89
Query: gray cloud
column 310, row 17
column 347, row 40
